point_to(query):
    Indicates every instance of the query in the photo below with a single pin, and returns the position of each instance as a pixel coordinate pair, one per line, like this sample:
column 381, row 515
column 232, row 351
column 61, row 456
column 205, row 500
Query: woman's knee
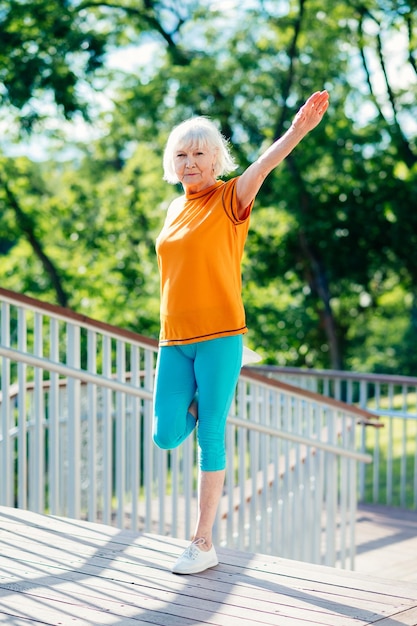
column 163, row 440
column 170, row 432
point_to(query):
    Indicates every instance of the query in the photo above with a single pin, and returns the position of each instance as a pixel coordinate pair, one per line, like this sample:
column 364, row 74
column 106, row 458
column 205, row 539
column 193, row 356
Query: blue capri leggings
column 210, row 368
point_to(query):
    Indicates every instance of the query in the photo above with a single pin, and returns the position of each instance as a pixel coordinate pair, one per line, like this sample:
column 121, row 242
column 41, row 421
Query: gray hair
column 202, row 133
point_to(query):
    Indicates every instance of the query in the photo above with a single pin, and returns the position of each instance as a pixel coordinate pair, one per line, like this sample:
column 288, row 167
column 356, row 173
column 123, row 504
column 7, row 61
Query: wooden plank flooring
column 65, row 572
column 386, row 540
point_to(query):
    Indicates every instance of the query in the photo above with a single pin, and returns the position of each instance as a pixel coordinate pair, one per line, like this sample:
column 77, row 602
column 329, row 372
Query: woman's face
column 194, row 167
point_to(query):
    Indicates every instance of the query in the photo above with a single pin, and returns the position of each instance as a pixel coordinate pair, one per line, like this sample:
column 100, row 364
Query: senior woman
column 199, row 252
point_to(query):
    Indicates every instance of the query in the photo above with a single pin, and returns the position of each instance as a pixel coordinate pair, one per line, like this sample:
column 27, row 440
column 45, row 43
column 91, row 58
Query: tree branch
column 178, row 56
column 317, row 280
column 402, row 144
column 411, row 50
column 361, row 46
column 292, row 54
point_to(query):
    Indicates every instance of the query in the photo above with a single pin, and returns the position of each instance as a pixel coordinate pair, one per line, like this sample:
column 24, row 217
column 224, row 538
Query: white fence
column 391, row 479
column 75, row 440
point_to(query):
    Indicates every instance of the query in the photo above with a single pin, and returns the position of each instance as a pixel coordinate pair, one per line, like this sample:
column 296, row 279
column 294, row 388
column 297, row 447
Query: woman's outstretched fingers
column 320, row 101
column 312, row 111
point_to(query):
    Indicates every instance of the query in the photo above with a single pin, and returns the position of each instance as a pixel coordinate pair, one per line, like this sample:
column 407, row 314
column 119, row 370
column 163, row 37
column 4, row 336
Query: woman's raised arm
column 307, row 118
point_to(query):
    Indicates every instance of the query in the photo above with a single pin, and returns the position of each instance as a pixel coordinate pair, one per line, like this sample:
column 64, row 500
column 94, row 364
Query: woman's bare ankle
column 202, row 543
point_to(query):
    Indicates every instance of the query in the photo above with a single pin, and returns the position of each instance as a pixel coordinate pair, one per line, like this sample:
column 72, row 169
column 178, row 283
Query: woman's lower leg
column 209, row 493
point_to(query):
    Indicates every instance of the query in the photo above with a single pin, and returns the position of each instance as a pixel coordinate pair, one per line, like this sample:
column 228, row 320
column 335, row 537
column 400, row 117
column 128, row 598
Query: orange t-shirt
column 199, row 253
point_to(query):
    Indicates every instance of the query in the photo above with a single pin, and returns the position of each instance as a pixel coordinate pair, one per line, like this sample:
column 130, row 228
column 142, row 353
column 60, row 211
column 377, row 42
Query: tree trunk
column 317, row 280
column 27, row 226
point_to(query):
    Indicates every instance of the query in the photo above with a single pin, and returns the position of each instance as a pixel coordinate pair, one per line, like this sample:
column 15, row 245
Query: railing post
column 135, row 441
column 74, row 418
column 148, row 451
column 363, row 399
column 6, row 482
column 55, row 473
column 120, row 428
column 353, row 500
column 254, row 461
column 37, row 448
column 92, row 426
column 107, row 433
column 22, row 413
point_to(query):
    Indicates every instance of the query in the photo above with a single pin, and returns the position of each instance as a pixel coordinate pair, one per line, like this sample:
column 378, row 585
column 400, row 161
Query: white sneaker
column 193, row 560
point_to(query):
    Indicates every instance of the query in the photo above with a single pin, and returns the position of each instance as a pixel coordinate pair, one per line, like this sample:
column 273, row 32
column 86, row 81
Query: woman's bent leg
column 175, row 388
column 217, row 368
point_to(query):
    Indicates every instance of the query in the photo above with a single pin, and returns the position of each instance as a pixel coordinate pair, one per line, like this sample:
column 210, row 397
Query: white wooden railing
column 75, row 440
column 391, row 479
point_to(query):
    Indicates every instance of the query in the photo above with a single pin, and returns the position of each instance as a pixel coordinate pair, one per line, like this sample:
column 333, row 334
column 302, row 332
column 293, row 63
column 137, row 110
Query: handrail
column 319, row 445
column 66, row 315
column 72, row 372
column 340, row 374
column 299, row 392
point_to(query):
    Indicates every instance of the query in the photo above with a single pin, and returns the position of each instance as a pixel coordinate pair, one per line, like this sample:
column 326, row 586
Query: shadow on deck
column 62, row 571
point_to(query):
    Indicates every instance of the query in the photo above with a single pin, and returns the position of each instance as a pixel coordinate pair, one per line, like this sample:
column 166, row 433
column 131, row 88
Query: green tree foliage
column 330, row 257
column 98, row 224
column 46, row 46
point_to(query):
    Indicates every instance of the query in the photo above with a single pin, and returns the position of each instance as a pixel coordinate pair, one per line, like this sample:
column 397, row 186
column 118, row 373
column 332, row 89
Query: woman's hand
column 311, row 113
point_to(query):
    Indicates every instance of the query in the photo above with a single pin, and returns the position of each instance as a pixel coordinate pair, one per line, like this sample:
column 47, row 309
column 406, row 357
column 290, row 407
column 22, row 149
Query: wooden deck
column 64, row 572
column 386, row 543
